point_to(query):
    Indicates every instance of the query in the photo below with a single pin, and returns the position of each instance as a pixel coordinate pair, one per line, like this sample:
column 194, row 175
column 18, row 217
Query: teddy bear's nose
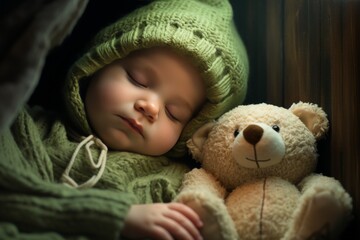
column 253, row 133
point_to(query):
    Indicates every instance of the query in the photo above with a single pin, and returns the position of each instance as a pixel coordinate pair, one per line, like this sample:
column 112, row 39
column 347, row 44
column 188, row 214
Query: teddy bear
column 256, row 177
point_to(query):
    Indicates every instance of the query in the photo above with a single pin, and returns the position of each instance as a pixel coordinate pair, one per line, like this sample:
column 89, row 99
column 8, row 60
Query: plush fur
column 257, row 178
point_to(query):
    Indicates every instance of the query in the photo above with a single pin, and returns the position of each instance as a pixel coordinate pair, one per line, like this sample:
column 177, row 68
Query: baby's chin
column 143, row 150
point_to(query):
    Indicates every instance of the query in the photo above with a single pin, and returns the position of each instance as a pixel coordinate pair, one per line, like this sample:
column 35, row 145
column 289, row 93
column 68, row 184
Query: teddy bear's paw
column 213, row 213
column 319, row 216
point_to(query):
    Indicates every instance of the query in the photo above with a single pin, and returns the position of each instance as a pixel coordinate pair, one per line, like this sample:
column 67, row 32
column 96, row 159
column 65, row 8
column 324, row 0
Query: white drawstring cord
column 101, row 163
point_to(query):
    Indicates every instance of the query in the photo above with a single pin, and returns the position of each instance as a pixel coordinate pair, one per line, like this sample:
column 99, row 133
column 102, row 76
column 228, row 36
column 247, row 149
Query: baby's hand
column 162, row 221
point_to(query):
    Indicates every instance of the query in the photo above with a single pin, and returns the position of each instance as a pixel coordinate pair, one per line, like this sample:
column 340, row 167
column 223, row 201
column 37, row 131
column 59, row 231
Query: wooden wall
column 308, row 50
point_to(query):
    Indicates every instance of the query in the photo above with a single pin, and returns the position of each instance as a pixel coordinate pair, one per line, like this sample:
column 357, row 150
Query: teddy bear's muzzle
column 258, row 146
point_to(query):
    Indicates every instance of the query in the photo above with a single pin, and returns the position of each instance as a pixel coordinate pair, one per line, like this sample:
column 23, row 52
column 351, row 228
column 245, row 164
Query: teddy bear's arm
column 205, row 195
column 323, row 210
column 199, row 180
column 318, row 182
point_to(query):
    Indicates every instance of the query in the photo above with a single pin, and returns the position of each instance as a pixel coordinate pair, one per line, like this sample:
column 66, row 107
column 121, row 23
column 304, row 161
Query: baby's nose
column 150, row 109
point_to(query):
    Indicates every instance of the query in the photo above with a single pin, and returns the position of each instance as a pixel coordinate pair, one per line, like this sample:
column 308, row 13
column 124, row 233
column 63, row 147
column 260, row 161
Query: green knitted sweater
column 34, row 205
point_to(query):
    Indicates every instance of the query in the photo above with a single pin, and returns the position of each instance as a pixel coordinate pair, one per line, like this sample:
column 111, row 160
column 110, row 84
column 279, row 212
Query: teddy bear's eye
column 236, row 132
column 276, row 128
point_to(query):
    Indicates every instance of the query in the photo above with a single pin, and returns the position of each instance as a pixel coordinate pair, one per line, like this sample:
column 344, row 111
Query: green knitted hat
column 202, row 29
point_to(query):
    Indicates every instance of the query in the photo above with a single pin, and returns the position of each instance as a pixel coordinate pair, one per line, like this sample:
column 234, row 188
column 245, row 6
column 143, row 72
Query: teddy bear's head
column 260, row 140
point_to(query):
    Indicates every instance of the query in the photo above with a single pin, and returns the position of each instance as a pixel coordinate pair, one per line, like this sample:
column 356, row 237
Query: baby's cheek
column 171, row 134
column 108, row 94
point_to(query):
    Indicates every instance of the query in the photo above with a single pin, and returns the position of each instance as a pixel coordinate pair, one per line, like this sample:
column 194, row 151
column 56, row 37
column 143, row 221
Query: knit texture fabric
column 202, row 29
column 34, row 154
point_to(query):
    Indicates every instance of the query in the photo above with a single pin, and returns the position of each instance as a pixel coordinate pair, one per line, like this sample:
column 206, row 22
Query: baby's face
column 142, row 102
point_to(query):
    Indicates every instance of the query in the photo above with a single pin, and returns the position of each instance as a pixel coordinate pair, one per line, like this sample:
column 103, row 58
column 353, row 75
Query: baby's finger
column 160, row 233
column 184, row 222
column 176, row 230
column 188, row 212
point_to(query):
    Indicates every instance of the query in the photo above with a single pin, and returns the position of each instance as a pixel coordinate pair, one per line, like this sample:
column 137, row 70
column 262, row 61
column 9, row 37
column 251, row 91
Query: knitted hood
column 202, row 29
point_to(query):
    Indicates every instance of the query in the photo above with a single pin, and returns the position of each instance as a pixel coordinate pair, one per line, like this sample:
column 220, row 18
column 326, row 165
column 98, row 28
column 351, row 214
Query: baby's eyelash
column 133, row 80
column 170, row 115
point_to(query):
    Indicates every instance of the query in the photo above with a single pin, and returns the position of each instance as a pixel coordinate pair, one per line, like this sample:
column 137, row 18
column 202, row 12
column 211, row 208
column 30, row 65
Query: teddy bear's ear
column 196, row 142
column 314, row 118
